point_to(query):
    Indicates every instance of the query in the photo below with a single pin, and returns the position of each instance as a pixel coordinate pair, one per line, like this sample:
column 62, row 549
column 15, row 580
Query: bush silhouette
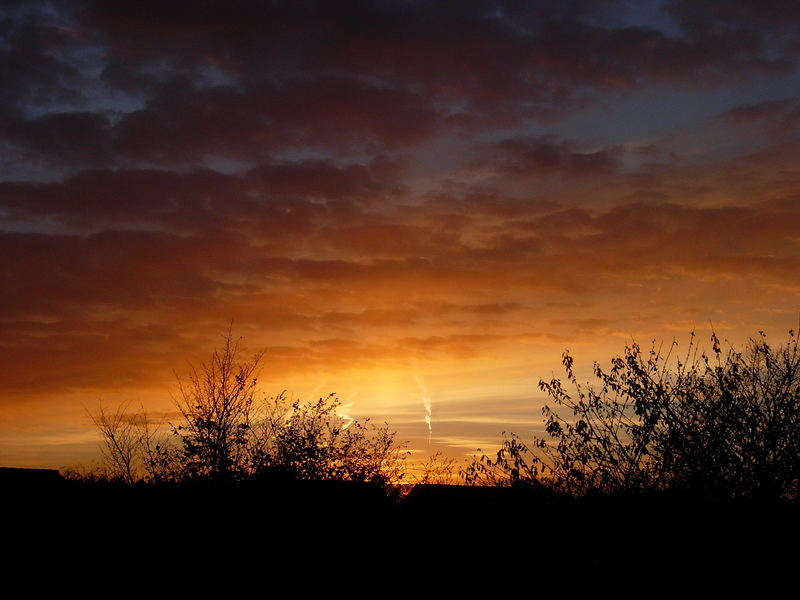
column 228, row 434
column 718, row 425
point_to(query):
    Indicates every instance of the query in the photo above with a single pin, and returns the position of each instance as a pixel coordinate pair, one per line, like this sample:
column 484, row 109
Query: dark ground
column 303, row 530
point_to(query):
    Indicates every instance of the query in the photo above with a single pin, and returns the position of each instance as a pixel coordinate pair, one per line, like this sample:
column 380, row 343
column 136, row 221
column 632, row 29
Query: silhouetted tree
column 121, row 441
column 725, row 424
column 229, row 433
column 133, row 448
column 216, row 403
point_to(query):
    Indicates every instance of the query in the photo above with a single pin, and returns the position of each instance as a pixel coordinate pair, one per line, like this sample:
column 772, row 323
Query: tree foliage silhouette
column 229, row 432
column 724, row 424
column 315, row 443
column 216, row 404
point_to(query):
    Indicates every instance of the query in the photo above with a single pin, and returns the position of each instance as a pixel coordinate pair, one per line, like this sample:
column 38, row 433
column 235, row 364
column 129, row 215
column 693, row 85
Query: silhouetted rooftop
column 14, row 476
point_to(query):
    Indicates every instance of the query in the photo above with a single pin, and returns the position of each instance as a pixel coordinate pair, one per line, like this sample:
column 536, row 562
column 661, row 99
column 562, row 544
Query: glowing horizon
column 413, row 207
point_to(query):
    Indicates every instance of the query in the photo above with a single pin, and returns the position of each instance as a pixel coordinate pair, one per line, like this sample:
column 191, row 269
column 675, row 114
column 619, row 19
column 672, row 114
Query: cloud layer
column 379, row 190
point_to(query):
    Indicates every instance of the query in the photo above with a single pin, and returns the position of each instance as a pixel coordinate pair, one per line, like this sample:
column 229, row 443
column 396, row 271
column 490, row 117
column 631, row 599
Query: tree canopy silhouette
column 217, row 405
column 229, row 432
column 724, row 424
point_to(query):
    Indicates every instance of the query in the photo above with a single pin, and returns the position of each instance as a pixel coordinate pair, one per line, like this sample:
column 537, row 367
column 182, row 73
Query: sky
column 417, row 206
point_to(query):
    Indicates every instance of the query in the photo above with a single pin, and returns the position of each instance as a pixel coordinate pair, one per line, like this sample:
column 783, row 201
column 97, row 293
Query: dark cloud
column 454, row 205
column 69, row 139
column 719, row 17
column 532, row 156
column 274, row 199
column 761, row 110
column 183, row 125
column 243, row 81
column 34, row 72
column 777, row 118
column 320, row 179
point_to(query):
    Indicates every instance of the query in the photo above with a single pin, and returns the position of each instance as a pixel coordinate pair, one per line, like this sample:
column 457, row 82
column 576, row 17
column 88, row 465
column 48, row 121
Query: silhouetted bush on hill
column 718, row 425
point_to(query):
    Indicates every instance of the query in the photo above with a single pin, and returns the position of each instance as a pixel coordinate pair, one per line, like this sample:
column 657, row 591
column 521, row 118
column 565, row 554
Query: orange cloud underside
column 479, row 308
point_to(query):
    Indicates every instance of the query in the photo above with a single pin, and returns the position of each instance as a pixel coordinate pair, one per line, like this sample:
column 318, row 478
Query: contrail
column 426, row 401
column 316, row 389
column 344, row 410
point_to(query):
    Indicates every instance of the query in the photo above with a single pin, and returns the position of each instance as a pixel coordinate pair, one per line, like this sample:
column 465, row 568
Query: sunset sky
column 415, row 205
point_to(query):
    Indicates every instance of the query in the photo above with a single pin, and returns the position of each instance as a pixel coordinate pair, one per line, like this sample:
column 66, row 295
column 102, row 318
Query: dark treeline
column 719, row 426
column 722, row 425
column 690, row 460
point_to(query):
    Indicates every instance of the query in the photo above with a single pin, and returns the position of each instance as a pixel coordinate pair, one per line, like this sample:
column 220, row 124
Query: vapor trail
column 426, row 402
column 344, row 410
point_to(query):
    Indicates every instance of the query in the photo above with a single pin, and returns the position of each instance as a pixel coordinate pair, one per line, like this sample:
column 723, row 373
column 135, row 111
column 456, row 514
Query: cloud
column 386, row 187
column 270, row 201
column 705, row 17
column 244, row 81
column 77, row 139
column 181, row 123
column 545, row 155
column 776, row 118
column 35, row 73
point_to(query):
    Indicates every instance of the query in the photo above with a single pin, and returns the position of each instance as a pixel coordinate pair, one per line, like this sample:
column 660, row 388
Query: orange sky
column 393, row 204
